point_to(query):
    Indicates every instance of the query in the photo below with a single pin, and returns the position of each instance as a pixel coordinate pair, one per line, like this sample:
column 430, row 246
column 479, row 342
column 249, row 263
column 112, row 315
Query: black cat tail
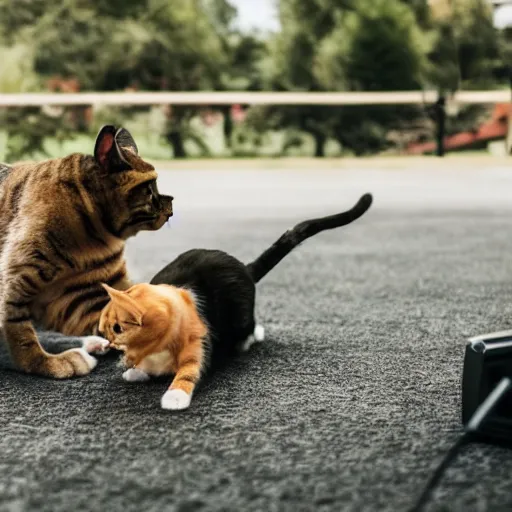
column 293, row 237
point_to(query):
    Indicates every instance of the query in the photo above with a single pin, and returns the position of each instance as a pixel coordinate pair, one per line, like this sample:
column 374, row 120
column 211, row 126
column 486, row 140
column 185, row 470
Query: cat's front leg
column 135, row 375
column 55, row 343
column 27, row 272
column 190, row 363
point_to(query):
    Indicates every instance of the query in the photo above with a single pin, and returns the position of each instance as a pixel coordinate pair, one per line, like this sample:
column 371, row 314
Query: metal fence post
column 440, row 117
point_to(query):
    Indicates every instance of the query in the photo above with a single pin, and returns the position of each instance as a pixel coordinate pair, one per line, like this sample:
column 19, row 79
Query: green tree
column 465, row 45
column 289, row 66
column 345, row 46
column 465, row 54
column 378, row 47
column 243, row 53
column 59, row 39
column 28, row 127
column 374, row 48
column 152, row 45
column 421, row 10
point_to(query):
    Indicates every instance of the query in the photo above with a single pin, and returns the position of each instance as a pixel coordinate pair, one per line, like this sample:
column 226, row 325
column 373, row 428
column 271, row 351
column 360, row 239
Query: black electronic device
column 486, row 400
column 488, row 359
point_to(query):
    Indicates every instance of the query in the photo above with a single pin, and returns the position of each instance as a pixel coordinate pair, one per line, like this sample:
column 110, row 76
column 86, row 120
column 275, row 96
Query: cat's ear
column 112, row 149
column 105, row 143
column 132, row 313
column 125, row 142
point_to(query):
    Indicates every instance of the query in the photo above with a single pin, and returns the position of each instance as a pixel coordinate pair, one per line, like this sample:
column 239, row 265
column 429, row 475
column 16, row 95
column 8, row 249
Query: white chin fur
column 175, row 400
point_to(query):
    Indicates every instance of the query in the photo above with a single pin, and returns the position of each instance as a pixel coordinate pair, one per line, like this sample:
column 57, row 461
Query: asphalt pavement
column 354, row 396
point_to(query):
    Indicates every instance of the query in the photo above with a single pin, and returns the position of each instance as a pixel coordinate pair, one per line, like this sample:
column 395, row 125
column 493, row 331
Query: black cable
column 479, row 416
column 438, row 473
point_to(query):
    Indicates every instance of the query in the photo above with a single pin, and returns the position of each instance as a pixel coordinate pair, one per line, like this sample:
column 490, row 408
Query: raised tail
column 262, row 265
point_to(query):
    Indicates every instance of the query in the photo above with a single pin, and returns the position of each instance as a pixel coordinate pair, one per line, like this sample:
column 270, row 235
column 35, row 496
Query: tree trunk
column 228, row 126
column 440, row 119
column 176, row 117
column 175, row 139
column 320, row 141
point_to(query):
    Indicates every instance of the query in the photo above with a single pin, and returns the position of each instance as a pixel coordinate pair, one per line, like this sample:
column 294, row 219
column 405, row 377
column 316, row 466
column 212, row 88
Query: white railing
column 248, row 98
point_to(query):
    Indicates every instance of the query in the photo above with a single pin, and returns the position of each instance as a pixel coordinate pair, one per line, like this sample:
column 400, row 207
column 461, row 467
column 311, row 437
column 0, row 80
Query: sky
column 256, row 14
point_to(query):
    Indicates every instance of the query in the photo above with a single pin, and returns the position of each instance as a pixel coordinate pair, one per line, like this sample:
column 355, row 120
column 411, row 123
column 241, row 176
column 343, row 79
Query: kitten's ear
column 132, row 313
column 112, row 292
column 111, row 147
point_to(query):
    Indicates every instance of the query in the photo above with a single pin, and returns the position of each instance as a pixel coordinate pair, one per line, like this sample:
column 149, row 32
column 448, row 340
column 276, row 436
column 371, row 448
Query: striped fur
column 63, row 225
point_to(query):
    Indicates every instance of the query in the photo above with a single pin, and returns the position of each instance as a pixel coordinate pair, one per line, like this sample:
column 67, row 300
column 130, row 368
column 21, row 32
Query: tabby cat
column 63, row 226
column 198, row 310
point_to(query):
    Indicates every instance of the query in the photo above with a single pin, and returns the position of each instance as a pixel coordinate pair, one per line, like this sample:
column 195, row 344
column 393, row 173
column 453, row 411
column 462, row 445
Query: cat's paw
column 90, row 361
column 95, row 345
column 259, row 333
column 135, row 375
column 257, row 336
column 71, row 363
column 175, row 400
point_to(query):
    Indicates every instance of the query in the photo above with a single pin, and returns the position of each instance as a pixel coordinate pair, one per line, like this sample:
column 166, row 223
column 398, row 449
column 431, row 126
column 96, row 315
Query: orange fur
column 159, row 330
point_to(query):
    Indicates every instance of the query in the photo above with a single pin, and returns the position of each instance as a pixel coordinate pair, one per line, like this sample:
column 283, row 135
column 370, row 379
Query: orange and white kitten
column 160, row 332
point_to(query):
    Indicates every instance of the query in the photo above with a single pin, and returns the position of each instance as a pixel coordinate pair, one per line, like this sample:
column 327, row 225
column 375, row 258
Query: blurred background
column 438, row 48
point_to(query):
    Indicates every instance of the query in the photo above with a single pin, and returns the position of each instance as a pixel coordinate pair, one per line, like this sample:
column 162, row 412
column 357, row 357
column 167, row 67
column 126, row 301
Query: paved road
column 353, row 398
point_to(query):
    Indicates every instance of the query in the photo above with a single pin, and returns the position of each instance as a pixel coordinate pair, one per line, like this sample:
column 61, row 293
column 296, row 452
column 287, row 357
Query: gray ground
column 351, row 401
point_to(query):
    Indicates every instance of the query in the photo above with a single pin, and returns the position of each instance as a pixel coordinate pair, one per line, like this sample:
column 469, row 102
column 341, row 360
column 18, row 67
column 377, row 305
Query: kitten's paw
column 259, row 333
column 96, row 345
column 175, row 400
column 135, row 375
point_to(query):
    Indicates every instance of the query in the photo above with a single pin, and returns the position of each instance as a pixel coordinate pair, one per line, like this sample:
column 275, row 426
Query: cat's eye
column 148, row 191
column 117, row 329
